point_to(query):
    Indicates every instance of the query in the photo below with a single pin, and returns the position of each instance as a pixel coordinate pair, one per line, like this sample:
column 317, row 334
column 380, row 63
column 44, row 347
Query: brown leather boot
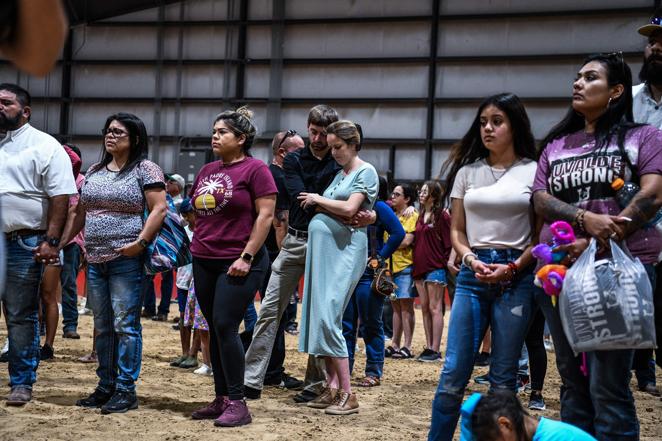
column 324, row 400
column 344, row 404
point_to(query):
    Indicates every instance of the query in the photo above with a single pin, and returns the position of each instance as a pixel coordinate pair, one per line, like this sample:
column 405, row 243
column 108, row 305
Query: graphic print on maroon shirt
column 224, row 200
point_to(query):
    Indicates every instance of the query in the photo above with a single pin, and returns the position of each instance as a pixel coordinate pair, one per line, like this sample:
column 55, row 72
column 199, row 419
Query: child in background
column 499, row 416
column 184, row 282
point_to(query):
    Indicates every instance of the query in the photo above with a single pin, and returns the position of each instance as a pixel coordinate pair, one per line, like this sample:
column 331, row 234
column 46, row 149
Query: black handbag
column 382, row 282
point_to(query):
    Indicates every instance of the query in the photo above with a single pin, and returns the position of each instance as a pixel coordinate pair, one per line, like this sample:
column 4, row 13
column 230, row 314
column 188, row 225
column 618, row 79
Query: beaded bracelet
column 579, row 219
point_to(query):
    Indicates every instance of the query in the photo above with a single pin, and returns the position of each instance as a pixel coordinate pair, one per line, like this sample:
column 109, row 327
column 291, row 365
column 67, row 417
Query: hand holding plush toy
column 550, row 277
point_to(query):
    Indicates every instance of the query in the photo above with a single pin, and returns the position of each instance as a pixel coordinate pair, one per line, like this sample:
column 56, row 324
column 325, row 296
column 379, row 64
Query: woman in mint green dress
column 335, row 261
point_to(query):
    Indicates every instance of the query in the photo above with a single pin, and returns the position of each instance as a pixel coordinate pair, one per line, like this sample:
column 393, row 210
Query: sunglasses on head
column 288, row 134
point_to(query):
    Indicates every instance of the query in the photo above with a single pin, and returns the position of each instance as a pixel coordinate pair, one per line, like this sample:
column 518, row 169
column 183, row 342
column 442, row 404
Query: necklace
column 496, row 179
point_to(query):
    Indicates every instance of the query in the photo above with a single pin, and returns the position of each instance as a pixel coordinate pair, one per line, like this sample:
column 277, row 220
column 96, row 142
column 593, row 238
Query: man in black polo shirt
column 283, row 143
column 309, row 169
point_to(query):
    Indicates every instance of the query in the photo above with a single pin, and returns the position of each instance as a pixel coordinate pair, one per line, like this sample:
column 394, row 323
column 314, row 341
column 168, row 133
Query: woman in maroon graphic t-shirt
column 234, row 200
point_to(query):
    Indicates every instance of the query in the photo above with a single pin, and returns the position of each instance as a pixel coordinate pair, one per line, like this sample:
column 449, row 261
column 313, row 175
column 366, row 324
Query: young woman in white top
column 491, row 172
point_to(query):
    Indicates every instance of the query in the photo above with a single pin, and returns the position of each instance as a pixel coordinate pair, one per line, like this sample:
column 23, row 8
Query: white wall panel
column 345, row 40
column 540, row 36
column 88, row 118
column 113, row 81
column 46, row 117
column 533, row 79
column 199, row 81
column 504, row 6
column 353, row 8
column 395, row 81
column 108, row 43
column 377, row 155
column 200, row 42
column 379, row 121
column 452, row 122
column 409, row 163
column 50, row 85
column 440, row 154
column 201, row 10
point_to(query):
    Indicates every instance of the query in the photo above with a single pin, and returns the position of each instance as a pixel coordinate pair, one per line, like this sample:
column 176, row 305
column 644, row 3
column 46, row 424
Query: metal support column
column 276, row 69
column 432, row 82
column 241, row 50
column 67, row 56
column 158, row 86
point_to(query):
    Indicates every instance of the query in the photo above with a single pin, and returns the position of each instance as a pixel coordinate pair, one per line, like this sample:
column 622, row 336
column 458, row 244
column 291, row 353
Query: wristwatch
column 143, row 243
column 52, row 241
column 247, row 257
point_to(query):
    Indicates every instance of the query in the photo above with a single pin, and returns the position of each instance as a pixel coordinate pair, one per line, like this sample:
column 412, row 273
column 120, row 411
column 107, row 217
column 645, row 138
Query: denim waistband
column 492, row 255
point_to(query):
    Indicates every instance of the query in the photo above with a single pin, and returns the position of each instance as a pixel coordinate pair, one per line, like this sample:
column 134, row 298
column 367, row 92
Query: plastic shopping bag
column 607, row 304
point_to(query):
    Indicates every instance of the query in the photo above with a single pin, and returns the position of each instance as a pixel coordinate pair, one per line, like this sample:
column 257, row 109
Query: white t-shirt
column 644, row 107
column 33, row 168
column 497, row 212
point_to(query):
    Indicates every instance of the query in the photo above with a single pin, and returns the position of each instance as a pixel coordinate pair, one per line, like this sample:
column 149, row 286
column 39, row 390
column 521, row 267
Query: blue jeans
column 167, row 281
column 476, row 306
column 69, row 289
column 21, row 300
column 366, row 306
column 114, row 295
column 600, row 404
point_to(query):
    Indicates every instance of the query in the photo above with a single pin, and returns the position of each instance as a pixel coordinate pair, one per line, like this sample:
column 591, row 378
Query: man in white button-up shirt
column 647, row 109
column 35, row 183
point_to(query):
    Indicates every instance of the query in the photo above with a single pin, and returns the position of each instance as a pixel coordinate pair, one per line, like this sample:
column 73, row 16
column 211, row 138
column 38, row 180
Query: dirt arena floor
column 399, row 409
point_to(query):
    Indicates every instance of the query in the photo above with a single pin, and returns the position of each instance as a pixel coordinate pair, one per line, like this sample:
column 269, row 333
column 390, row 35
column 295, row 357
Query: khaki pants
column 286, row 271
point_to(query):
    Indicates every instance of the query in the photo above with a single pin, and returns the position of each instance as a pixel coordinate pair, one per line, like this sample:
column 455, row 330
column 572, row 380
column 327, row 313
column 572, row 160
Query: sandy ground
column 399, row 409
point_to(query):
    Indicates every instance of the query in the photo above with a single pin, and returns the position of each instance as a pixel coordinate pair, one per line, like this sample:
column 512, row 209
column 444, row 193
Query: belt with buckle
column 297, row 233
column 23, row 232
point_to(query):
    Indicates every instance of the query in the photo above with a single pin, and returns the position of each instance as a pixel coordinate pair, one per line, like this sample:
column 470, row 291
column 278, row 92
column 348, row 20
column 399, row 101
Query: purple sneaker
column 236, row 414
column 212, row 410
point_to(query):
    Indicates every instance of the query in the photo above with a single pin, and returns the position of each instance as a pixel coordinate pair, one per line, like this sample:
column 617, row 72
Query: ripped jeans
column 115, row 296
column 476, row 306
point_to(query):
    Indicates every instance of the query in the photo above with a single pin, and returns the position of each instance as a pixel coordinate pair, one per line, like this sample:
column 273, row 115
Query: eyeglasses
column 619, row 58
column 288, row 134
column 114, row 132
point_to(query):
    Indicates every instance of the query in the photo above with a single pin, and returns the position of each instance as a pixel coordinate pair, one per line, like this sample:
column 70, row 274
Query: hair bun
column 245, row 112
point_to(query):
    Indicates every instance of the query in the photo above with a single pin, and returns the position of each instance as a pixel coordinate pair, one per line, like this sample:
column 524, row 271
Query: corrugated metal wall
column 412, row 73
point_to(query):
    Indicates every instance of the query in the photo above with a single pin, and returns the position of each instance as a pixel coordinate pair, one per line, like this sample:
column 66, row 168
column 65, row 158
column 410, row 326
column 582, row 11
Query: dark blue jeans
column 21, row 299
column 475, row 307
column 114, row 295
column 69, row 289
column 366, row 306
column 602, row 403
column 149, row 295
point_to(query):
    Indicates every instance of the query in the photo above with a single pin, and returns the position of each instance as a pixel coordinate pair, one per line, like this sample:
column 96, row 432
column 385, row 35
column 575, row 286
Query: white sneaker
column 203, row 370
column 5, row 348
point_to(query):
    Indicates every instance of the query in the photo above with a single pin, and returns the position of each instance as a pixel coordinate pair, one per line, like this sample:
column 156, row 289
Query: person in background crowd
column 175, row 186
column 500, row 416
column 309, row 169
column 363, row 314
column 432, row 247
column 598, row 132
column 490, row 177
column 403, row 196
column 335, row 263
column 32, row 33
column 184, row 282
column 51, row 287
column 234, row 200
column 34, row 194
column 646, row 101
column 74, row 253
column 115, row 192
column 282, row 144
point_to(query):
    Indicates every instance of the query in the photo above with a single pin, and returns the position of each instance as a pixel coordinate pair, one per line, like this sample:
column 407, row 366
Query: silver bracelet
column 464, row 258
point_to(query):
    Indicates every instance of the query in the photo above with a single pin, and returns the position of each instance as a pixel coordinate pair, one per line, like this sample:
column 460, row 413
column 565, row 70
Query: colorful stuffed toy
column 550, row 276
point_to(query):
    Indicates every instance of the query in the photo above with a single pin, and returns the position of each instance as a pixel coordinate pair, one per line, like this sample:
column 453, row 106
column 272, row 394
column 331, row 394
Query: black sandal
column 403, row 354
column 388, row 352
